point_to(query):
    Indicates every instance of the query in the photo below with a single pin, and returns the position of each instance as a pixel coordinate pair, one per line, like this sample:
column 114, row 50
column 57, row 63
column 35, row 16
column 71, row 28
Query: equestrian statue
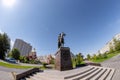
column 61, row 39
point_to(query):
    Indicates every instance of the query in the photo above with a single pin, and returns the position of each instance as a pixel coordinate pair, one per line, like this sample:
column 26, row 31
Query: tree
column 24, row 59
column 116, row 45
column 88, row 56
column 21, row 58
column 52, row 61
column 104, row 55
column 74, row 62
column 111, row 49
column 94, row 57
column 4, row 45
column 99, row 56
column 15, row 54
column 79, row 58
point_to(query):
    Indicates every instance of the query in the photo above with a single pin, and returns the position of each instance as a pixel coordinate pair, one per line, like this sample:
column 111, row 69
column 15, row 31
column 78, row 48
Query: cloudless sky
column 88, row 24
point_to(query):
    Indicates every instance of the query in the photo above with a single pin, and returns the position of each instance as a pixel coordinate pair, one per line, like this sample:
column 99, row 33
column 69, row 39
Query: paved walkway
column 82, row 73
column 25, row 64
column 11, row 69
column 113, row 63
column 5, row 73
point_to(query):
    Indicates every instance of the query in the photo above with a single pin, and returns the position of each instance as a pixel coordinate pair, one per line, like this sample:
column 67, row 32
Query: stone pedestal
column 63, row 59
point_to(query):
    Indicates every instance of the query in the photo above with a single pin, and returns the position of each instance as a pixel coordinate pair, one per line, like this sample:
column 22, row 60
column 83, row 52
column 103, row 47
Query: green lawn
column 8, row 65
column 108, row 57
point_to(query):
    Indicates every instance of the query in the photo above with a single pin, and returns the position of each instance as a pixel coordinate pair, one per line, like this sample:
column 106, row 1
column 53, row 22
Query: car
column 11, row 60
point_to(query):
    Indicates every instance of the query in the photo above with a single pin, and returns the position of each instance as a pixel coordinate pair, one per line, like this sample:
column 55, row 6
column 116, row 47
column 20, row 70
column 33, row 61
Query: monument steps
column 44, row 76
column 103, row 77
column 100, row 74
column 110, row 74
column 92, row 74
column 82, row 73
column 35, row 78
column 28, row 79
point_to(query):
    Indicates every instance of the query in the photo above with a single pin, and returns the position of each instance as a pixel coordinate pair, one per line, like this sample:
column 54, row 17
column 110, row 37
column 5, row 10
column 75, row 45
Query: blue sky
column 88, row 24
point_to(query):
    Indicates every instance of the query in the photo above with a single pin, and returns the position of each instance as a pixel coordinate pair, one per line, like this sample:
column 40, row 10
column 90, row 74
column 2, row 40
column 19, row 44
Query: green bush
column 74, row 62
column 78, row 59
column 44, row 64
column 104, row 55
column 94, row 57
column 88, row 56
column 24, row 59
column 15, row 53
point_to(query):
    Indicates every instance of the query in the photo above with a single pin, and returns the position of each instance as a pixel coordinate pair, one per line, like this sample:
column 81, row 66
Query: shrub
column 104, row 55
column 88, row 56
column 79, row 58
column 44, row 64
column 15, row 54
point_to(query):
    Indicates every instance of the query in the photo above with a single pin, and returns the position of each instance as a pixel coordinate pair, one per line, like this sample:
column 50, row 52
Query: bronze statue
column 61, row 40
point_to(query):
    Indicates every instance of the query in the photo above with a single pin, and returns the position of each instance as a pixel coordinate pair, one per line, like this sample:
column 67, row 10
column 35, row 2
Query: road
column 5, row 73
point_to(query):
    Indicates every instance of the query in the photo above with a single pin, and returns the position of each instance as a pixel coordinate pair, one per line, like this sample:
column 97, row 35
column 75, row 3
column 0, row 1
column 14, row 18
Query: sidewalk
column 113, row 63
column 6, row 76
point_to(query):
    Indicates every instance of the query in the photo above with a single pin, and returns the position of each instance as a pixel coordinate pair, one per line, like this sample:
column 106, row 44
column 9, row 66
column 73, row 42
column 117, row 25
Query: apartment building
column 24, row 47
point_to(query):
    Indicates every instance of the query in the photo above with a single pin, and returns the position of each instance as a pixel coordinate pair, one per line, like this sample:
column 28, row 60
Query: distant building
column 24, row 47
column 42, row 59
column 109, row 44
column 46, row 58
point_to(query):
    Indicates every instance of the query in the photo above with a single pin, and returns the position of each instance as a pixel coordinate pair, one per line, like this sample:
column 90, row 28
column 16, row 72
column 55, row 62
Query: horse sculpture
column 61, row 40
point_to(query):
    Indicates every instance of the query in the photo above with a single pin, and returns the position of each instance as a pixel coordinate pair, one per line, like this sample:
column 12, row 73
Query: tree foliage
column 4, row 45
column 15, row 54
column 104, row 55
column 116, row 45
column 111, row 49
column 79, row 58
column 88, row 56
column 95, row 57
column 23, row 59
column 99, row 56
column 52, row 61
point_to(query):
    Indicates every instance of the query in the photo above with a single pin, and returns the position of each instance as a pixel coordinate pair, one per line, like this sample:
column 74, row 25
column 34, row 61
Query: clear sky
column 88, row 24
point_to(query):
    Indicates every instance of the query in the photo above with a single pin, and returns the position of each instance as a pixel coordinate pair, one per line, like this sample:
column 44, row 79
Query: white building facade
column 106, row 48
column 24, row 47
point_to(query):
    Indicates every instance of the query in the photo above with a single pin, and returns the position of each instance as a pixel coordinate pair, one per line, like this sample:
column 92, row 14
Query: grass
column 8, row 65
column 74, row 64
column 110, row 55
column 42, row 68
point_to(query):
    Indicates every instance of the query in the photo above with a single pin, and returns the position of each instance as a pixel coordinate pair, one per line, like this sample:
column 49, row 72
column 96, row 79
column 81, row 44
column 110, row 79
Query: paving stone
column 82, row 73
column 6, row 76
column 115, row 64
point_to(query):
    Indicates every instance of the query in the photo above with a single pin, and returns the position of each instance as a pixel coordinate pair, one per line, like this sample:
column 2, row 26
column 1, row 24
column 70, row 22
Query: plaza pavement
column 113, row 63
column 81, row 73
column 5, row 73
